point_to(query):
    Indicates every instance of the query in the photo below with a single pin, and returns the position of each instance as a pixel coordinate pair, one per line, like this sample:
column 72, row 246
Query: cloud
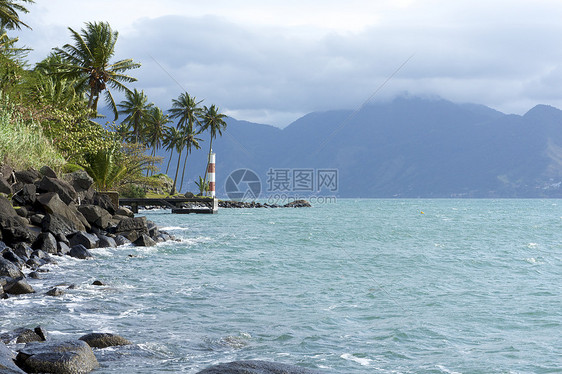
column 277, row 60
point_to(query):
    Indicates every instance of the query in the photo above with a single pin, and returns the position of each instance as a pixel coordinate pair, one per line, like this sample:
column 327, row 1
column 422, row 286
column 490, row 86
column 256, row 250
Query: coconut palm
column 190, row 140
column 88, row 62
column 9, row 17
column 172, row 137
column 155, row 129
column 214, row 122
column 137, row 109
column 186, row 109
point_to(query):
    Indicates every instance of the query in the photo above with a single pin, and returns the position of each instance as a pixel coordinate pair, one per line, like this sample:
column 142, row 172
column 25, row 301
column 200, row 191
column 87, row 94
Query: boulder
column 106, row 241
column 14, row 230
column 27, row 176
column 256, row 367
column 10, row 255
column 132, row 228
column 19, row 287
column 8, row 269
column 121, row 240
column 61, row 357
column 23, row 251
column 298, row 204
column 36, row 219
column 22, row 211
column 65, row 191
column 122, row 211
column 53, row 204
column 7, row 365
column 29, row 194
column 34, row 262
column 58, row 225
column 5, row 186
column 23, row 335
column 89, row 241
column 6, row 208
column 104, row 201
column 55, row 292
column 46, row 242
column 95, row 215
column 144, row 241
column 98, row 283
column 47, row 172
column 80, row 180
column 81, row 252
column 63, row 248
column 104, row 340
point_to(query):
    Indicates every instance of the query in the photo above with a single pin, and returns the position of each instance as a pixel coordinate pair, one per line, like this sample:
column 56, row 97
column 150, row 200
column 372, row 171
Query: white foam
column 360, row 360
column 174, row 228
column 445, row 370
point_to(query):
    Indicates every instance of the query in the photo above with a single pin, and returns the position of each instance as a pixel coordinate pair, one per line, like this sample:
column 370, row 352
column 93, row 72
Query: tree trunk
column 184, row 165
column 176, row 177
column 169, row 160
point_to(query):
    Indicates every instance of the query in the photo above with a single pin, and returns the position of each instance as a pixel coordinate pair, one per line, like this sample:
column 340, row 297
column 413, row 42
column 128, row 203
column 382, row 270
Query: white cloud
column 274, row 60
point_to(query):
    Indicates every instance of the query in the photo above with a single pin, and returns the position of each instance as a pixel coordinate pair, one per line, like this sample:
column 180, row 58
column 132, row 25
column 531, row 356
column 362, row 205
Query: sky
column 273, row 61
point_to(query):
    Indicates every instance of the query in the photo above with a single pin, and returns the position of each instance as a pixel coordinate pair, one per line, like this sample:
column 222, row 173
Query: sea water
column 353, row 286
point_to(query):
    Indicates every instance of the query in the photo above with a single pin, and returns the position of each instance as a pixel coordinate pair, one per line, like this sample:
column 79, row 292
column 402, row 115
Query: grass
column 22, row 143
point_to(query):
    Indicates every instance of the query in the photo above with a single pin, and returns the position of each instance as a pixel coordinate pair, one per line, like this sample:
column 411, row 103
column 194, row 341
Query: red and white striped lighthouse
column 211, row 172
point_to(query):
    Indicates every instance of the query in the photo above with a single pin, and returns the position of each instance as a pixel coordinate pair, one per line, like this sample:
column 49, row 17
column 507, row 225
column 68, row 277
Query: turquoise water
column 357, row 286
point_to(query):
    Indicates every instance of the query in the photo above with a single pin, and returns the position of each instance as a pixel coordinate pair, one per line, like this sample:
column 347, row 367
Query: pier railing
column 209, row 205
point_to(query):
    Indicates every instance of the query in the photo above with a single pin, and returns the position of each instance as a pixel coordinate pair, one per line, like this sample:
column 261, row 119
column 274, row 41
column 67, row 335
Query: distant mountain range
column 408, row 147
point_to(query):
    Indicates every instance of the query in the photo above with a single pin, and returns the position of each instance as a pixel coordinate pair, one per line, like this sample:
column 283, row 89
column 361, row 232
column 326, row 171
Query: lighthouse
column 211, row 173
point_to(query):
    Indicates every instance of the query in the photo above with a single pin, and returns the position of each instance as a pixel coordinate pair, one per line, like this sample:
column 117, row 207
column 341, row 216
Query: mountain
column 409, row 147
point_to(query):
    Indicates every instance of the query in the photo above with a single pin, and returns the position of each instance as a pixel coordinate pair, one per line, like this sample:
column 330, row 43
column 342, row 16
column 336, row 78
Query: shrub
column 132, row 191
column 22, row 143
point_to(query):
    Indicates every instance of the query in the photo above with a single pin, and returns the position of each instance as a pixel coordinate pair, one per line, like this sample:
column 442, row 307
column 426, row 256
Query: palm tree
column 104, row 169
column 137, row 109
column 214, row 122
column 155, row 129
column 190, row 140
column 172, row 137
column 186, row 109
column 88, row 61
column 9, row 18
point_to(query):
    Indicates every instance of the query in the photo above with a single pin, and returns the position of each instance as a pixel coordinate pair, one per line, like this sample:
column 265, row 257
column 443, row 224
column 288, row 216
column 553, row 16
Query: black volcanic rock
column 256, row 367
column 63, row 357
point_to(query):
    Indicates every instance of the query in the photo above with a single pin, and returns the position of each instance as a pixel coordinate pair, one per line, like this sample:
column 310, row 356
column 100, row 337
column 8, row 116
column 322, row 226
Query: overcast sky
column 272, row 61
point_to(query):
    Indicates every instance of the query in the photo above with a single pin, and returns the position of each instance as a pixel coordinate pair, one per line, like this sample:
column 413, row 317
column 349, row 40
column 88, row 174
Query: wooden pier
column 200, row 205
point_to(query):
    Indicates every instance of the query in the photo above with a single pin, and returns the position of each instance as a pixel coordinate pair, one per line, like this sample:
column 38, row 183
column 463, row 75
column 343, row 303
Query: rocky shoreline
column 44, row 216
column 253, row 204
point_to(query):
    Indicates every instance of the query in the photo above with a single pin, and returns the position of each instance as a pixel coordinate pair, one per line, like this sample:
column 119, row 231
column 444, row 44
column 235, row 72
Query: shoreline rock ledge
column 42, row 215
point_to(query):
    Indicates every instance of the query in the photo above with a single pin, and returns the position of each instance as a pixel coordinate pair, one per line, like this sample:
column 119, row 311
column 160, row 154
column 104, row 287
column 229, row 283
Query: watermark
column 284, row 185
column 243, row 185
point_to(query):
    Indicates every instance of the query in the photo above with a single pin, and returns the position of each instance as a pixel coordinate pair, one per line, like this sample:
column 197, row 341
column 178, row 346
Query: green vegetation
column 23, row 143
column 47, row 112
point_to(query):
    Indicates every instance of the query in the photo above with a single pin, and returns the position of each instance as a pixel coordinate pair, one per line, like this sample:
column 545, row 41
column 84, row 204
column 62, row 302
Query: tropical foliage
column 9, row 14
column 48, row 112
column 23, row 143
column 87, row 61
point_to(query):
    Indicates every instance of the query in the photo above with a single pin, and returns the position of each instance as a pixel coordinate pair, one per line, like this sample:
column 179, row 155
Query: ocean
column 353, row 286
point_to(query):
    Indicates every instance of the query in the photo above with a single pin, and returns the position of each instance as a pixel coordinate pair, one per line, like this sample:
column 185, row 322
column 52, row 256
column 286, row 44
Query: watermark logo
column 283, row 185
column 302, row 180
column 243, row 184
